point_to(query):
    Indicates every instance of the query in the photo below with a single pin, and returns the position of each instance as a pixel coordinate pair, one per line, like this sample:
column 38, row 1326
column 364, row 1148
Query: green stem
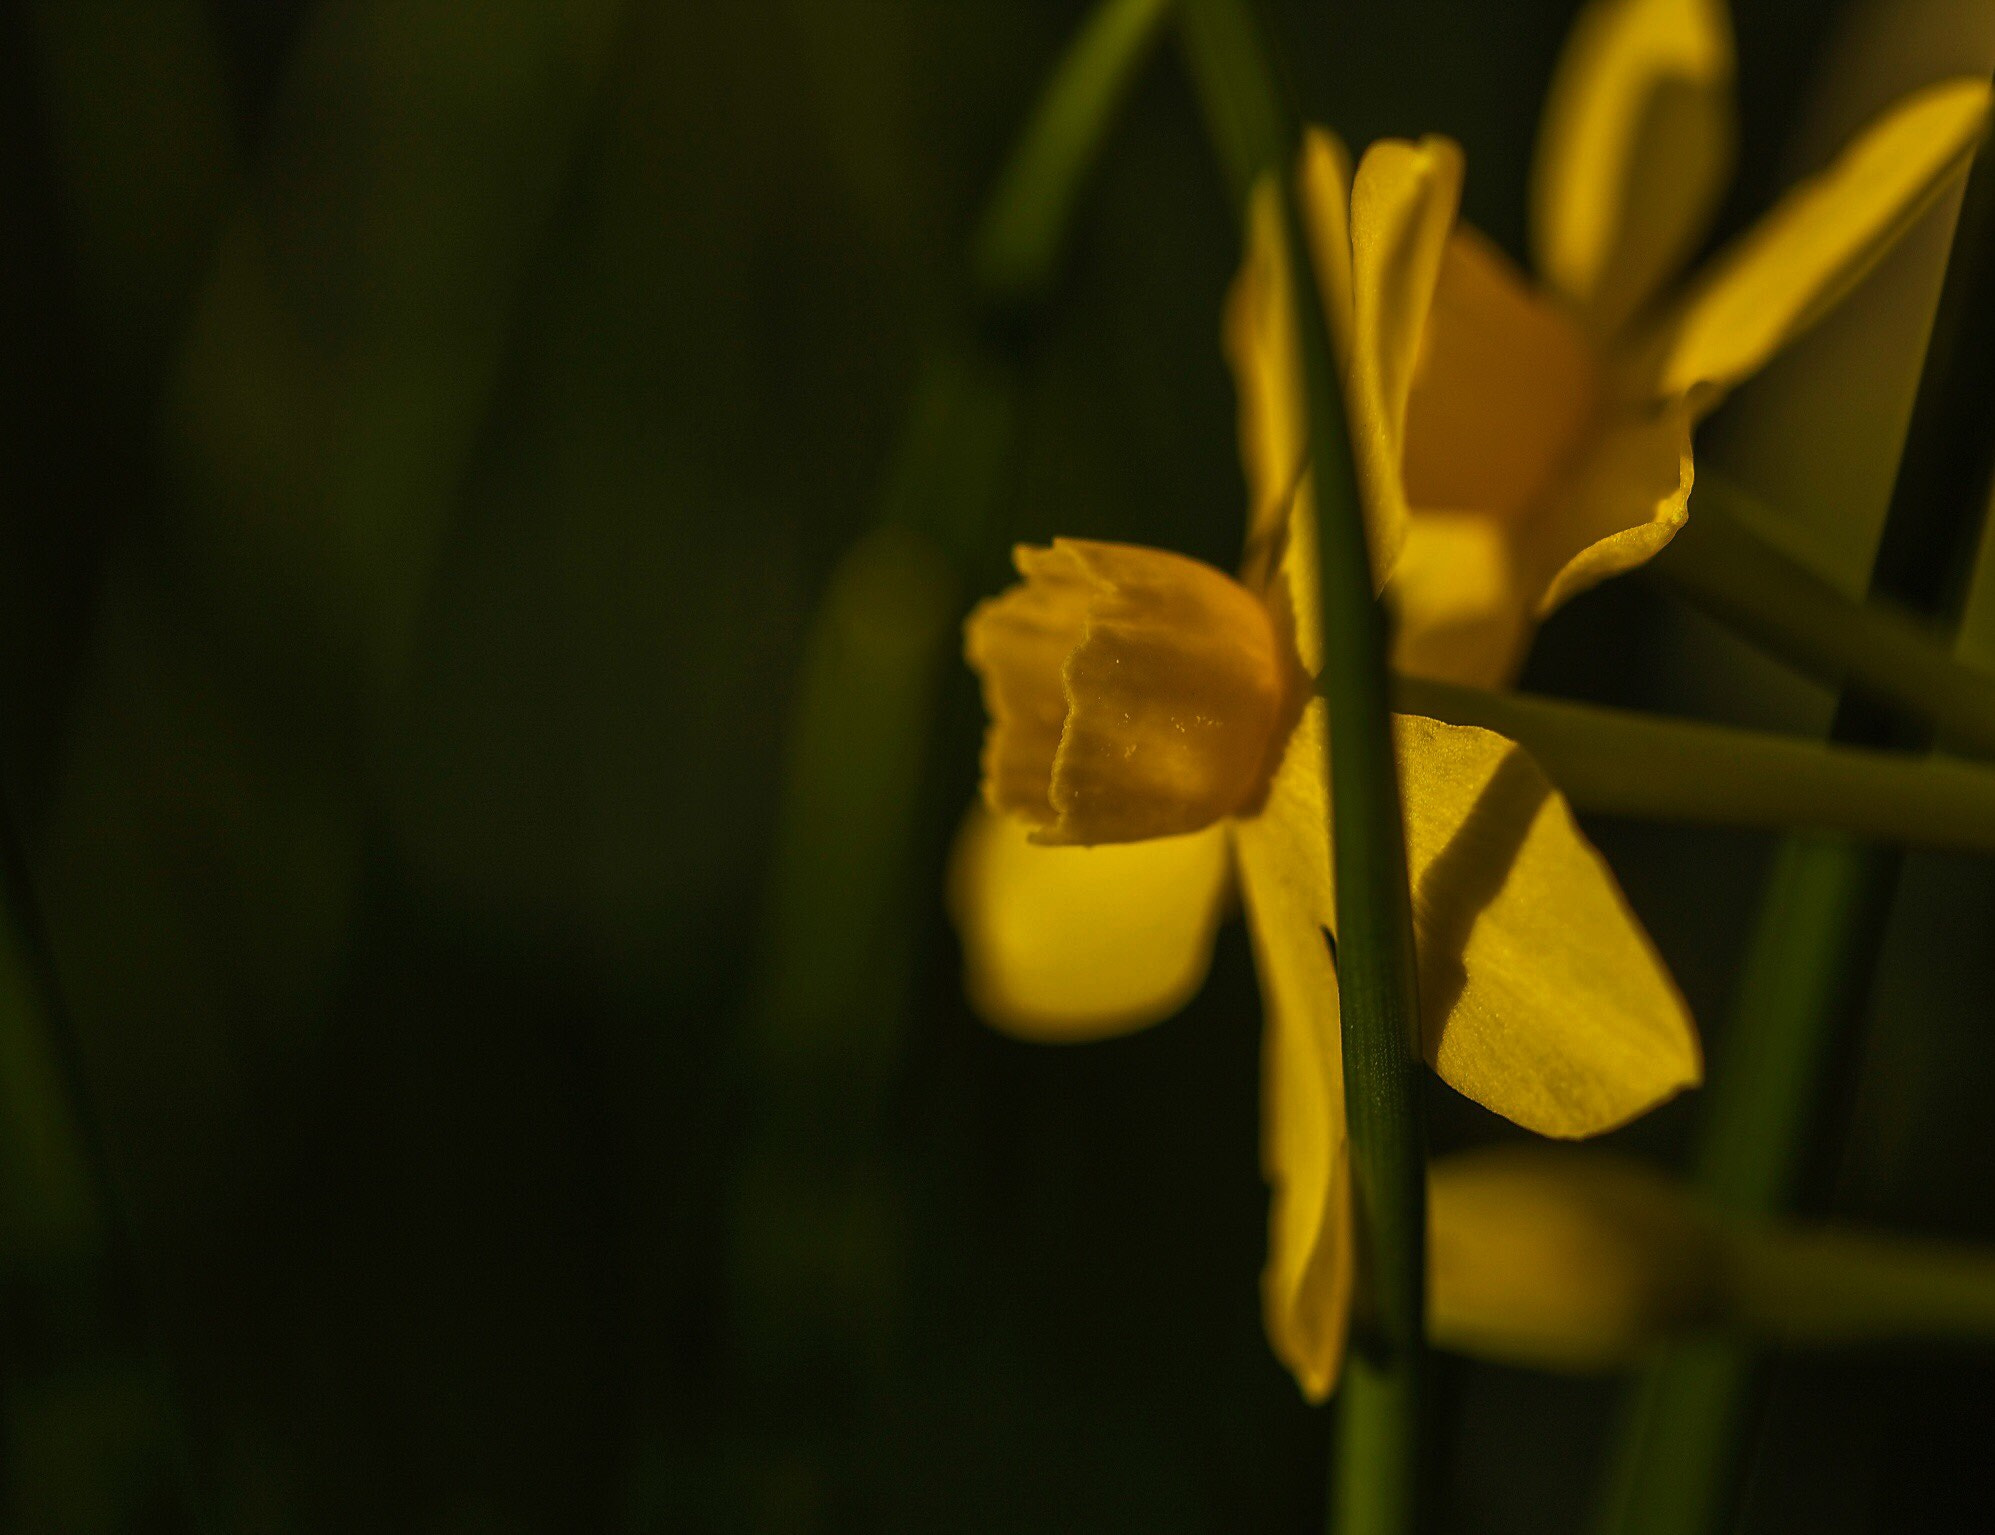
column 1378, row 1475
column 1829, row 1286
column 882, row 630
column 142, row 125
column 1017, row 251
column 1676, row 1468
column 73, row 1217
column 814, row 1209
column 1622, row 762
column 1724, row 564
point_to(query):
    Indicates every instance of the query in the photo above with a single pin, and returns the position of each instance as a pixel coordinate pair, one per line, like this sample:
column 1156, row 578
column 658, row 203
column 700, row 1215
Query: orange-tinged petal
column 1816, row 244
column 1403, row 204
column 1461, row 612
column 1066, row 943
column 1018, row 643
column 1541, row 996
column 1506, row 387
column 1633, row 152
column 1283, row 857
column 1617, row 508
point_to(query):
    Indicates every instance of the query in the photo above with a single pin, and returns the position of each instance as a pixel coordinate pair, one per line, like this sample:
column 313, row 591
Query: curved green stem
column 824, row 1032
column 1621, row 762
column 1723, row 563
column 1018, row 246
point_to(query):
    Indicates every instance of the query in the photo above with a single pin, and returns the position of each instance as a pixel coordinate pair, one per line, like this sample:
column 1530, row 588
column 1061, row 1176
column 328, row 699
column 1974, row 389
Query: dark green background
column 401, row 593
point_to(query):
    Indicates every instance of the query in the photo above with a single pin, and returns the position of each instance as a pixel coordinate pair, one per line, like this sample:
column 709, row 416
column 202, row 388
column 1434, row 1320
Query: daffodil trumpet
column 1728, row 563
column 1622, row 762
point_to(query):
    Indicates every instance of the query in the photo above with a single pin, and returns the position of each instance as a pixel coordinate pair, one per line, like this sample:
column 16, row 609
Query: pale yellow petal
column 1403, row 204
column 1259, row 338
column 1564, row 1260
column 1323, row 182
column 1633, row 152
column 1617, row 509
column 1541, row 996
column 1460, row 611
column 1261, row 344
column 1816, row 244
column 1067, row 943
column 1284, row 870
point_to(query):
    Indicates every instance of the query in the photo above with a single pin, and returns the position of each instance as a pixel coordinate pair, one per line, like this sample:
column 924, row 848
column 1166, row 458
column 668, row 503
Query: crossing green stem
column 1725, row 564
column 1649, row 767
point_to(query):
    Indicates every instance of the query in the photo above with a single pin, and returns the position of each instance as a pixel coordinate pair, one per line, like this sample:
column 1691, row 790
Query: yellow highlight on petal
column 1633, row 152
column 1623, row 502
column 1062, row 944
column 1540, row 994
column 1818, row 242
column 1284, row 870
column 1462, row 614
column 1403, row 203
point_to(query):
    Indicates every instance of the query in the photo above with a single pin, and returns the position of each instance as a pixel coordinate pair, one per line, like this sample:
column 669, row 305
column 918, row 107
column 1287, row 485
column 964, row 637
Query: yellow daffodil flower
column 1519, row 442
column 1562, row 1259
column 1156, row 739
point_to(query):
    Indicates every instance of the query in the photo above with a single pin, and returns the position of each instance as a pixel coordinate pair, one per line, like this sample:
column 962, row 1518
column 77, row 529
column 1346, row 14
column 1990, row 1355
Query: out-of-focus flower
column 1581, row 1260
column 1519, row 442
column 1156, row 738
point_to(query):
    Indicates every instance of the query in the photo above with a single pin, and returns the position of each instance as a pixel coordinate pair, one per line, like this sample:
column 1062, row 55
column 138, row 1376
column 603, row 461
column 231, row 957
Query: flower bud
column 1132, row 693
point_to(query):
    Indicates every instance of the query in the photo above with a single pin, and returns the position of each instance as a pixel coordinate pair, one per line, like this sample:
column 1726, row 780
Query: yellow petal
column 1323, row 182
column 1564, row 1260
column 1284, row 868
column 1506, row 389
column 1617, row 508
column 1260, row 338
column 1461, row 613
column 1816, row 244
column 1403, row 204
column 1633, row 152
column 1066, row 944
column 1541, row 996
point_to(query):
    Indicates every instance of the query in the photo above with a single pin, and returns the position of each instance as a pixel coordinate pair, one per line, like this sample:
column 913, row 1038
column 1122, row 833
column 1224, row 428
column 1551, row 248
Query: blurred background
column 431, row 427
